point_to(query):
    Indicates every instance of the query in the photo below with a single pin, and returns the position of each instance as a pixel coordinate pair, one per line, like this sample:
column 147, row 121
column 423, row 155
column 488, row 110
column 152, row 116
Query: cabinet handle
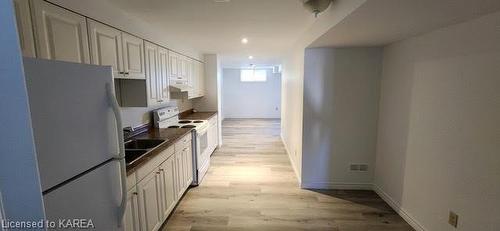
column 127, row 73
column 184, row 149
column 135, row 193
column 158, row 173
column 161, row 170
column 121, row 72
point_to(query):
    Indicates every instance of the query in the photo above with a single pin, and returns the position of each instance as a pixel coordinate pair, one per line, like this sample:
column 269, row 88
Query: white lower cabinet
column 149, row 193
column 167, row 170
column 132, row 211
column 213, row 134
column 153, row 198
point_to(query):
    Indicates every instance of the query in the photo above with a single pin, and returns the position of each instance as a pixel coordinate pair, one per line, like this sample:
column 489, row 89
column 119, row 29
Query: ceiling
column 271, row 26
column 381, row 22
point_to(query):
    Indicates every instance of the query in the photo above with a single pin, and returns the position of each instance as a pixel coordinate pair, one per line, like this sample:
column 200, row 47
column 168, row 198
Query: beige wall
column 341, row 94
column 439, row 128
column 293, row 78
column 134, row 116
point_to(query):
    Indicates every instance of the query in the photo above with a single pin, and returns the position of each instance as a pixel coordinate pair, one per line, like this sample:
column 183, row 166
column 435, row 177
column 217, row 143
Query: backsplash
column 135, row 116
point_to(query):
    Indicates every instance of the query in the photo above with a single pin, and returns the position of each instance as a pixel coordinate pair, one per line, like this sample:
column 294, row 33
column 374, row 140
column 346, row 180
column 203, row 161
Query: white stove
column 168, row 118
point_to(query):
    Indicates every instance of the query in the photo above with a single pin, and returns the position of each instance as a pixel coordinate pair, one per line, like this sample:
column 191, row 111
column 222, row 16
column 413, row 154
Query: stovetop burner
column 185, row 121
column 198, row 121
column 173, row 127
column 188, row 126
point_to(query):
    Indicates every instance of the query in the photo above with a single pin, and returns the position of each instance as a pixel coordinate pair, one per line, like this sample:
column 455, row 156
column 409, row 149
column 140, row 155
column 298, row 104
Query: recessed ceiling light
column 250, row 57
column 244, row 40
column 221, row 1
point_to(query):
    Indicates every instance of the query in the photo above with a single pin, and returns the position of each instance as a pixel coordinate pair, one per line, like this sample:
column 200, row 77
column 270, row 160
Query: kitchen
column 249, row 115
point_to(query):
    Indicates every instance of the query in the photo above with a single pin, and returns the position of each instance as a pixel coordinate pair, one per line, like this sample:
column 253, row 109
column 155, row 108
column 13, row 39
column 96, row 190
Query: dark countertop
column 197, row 115
column 169, row 134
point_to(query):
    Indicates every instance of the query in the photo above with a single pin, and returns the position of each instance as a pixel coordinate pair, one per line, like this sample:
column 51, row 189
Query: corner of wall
column 398, row 208
column 295, row 168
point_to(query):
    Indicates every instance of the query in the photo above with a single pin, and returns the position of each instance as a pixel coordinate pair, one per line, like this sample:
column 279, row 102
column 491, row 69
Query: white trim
column 294, row 167
column 400, row 210
column 2, row 212
column 337, row 185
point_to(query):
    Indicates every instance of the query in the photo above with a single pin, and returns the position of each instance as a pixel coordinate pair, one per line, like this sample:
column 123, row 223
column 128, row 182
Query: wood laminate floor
column 251, row 186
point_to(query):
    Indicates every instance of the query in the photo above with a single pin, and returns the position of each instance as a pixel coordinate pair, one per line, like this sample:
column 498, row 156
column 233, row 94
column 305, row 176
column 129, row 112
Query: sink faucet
column 128, row 129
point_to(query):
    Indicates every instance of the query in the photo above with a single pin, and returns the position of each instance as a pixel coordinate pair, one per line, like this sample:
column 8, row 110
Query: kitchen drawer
column 183, row 142
column 147, row 168
column 131, row 180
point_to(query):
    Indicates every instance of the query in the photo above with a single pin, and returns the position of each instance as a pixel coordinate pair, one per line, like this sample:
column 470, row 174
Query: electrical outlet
column 453, row 219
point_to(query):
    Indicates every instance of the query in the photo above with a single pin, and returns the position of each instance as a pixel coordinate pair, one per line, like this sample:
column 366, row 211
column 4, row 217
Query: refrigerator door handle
column 121, row 155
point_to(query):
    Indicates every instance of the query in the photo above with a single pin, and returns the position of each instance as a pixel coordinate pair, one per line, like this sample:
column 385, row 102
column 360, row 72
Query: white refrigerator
column 79, row 142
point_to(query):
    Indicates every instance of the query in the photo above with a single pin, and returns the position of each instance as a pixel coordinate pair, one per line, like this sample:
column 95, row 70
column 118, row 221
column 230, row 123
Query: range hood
column 180, row 88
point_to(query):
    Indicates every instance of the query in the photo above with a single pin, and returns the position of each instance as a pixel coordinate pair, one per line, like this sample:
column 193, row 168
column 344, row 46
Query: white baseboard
column 397, row 207
column 294, row 166
column 337, row 185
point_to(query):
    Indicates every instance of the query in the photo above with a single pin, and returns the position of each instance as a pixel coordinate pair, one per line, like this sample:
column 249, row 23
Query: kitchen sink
column 131, row 155
column 143, row 144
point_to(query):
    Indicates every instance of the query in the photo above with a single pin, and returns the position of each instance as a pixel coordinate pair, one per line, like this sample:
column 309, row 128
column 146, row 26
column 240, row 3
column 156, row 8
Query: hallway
column 252, row 186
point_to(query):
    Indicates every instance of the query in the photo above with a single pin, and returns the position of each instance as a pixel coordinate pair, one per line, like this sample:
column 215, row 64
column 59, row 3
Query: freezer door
column 95, row 195
column 73, row 123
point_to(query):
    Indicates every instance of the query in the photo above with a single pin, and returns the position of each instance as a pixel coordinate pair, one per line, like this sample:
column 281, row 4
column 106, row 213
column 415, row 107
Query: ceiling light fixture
column 250, row 57
column 244, row 40
column 316, row 6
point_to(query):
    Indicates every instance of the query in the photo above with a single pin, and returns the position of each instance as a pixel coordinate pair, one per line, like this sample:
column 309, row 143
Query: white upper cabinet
column 162, row 78
column 201, row 77
column 152, row 73
column 106, row 46
column 25, row 27
column 60, row 34
column 133, row 56
column 177, row 68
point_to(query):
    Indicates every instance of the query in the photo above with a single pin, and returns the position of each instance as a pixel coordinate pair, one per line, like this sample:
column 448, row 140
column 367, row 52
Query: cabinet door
column 183, row 68
column 188, row 165
column 152, row 73
column 179, row 170
column 133, row 56
column 163, row 83
column 25, row 27
column 201, row 77
column 173, row 60
column 60, row 34
column 168, row 186
column 106, row 46
column 150, row 201
column 132, row 211
column 213, row 134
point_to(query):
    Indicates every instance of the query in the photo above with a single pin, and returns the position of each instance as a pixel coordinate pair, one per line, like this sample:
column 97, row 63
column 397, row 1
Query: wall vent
column 358, row 167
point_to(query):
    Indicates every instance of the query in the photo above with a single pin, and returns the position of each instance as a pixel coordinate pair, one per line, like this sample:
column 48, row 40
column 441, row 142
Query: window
column 252, row 75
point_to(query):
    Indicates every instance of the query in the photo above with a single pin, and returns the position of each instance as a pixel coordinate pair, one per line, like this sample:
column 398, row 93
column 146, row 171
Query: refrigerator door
column 94, row 197
column 73, row 122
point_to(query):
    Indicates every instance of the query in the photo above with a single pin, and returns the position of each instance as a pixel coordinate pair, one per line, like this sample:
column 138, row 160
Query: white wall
column 20, row 191
column 251, row 99
column 341, row 94
column 439, row 129
column 293, row 79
